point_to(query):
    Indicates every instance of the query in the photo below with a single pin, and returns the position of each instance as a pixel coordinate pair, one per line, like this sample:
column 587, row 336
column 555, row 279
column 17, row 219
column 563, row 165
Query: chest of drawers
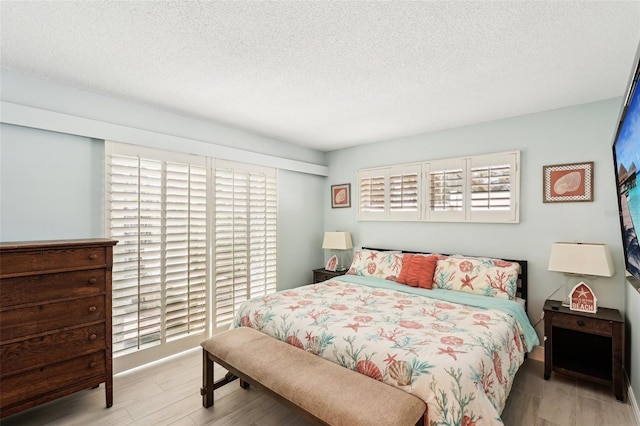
column 55, row 321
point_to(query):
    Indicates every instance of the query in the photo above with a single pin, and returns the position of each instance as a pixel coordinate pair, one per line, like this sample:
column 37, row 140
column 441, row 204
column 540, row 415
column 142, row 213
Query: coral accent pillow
column 487, row 277
column 380, row 264
column 417, row 270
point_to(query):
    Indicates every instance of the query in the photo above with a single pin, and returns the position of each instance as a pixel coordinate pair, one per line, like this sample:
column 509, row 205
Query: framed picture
column 567, row 182
column 341, row 195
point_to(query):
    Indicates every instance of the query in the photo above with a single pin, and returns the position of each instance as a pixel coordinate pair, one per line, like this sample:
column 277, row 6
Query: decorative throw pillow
column 417, row 270
column 380, row 264
column 487, row 277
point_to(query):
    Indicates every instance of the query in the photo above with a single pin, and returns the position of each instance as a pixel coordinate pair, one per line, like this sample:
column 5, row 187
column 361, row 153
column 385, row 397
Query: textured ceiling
column 328, row 75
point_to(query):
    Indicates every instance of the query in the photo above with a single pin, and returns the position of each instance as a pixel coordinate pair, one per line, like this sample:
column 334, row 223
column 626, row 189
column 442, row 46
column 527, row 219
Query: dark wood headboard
column 522, row 290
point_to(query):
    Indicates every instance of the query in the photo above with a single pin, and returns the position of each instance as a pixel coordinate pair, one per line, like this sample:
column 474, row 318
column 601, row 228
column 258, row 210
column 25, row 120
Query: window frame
column 466, row 211
column 267, row 269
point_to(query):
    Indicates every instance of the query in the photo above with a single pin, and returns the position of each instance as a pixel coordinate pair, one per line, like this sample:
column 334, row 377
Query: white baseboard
column 633, row 401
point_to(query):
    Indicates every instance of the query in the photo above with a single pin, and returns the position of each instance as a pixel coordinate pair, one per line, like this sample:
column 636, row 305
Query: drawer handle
column 580, row 323
column 93, row 337
column 92, row 308
column 92, row 280
column 93, row 256
column 93, row 364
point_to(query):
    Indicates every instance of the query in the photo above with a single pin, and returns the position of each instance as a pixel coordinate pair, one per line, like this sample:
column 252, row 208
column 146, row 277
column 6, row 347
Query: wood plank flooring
column 167, row 393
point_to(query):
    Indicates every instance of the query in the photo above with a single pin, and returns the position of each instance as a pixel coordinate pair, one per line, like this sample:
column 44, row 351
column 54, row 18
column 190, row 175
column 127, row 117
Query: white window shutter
column 245, row 249
column 158, row 215
column 445, row 190
column 405, row 193
column 372, row 199
column 185, row 250
column 494, row 187
column 161, row 206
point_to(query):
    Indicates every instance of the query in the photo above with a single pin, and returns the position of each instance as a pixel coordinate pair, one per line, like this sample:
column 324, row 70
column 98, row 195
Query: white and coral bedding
column 458, row 352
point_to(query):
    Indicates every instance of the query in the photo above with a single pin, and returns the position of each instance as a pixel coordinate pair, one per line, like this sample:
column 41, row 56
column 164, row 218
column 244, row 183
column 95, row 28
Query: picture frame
column 341, row 196
column 571, row 182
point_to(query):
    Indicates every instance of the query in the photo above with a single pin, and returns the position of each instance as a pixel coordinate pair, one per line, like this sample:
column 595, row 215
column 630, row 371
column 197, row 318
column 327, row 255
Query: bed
column 457, row 345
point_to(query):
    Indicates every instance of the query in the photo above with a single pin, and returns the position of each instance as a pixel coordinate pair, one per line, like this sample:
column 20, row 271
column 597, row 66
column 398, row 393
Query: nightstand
column 322, row 274
column 584, row 345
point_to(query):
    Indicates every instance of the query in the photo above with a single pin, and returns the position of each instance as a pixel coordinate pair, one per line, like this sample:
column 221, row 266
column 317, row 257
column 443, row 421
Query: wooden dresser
column 55, row 320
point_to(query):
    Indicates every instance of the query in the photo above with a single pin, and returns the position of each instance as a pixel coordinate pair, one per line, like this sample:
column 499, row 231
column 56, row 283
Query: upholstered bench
column 321, row 391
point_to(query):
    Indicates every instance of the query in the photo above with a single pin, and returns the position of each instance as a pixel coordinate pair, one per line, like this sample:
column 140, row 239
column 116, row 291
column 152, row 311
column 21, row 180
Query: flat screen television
column 626, row 157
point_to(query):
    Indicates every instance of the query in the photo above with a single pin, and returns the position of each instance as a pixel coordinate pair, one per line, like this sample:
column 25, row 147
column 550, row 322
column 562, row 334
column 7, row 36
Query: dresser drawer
column 580, row 323
column 51, row 348
column 48, row 287
column 36, row 319
column 51, row 259
column 30, row 384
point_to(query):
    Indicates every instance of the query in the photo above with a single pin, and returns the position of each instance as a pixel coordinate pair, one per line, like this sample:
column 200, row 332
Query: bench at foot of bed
column 321, row 391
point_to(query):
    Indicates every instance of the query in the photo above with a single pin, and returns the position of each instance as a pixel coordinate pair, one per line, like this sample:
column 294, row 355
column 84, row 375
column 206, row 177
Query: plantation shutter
column 372, row 200
column 157, row 210
column 446, row 190
column 404, row 193
column 186, row 250
column 245, row 250
column 493, row 180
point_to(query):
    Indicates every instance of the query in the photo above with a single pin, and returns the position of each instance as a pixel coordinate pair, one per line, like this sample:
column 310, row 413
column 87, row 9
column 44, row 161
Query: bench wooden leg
column 207, row 380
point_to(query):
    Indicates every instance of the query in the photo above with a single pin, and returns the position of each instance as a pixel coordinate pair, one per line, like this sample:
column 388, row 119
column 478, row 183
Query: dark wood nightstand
column 322, row 274
column 585, row 346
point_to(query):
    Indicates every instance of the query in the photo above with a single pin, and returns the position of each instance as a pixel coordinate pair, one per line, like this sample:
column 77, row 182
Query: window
column 482, row 188
column 391, row 193
column 404, row 192
column 245, row 237
column 493, row 187
column 445, row 190
column 163, row 208
column 372, row 194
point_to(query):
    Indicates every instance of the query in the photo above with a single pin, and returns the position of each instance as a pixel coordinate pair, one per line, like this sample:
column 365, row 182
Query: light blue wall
column 51, row 185
column 569, row 135
column 28, row 91
column 300, row 223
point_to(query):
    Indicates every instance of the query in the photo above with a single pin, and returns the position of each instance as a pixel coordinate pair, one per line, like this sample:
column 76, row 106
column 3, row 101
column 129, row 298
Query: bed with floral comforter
column 458, row 352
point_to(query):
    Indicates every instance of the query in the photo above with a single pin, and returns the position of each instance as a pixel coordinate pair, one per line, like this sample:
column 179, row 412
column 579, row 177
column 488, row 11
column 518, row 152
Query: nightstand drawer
column 321, row 274
column 579, row 323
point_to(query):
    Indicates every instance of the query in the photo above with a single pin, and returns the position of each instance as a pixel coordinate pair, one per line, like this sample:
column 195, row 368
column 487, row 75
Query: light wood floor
column 167, row 393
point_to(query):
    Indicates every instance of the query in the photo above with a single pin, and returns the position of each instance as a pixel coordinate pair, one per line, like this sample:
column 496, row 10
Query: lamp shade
column 337, row 241
column 582, row 259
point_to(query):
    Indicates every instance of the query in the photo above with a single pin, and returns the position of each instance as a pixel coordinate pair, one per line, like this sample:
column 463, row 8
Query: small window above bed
column 482, row 188
column 390, row 193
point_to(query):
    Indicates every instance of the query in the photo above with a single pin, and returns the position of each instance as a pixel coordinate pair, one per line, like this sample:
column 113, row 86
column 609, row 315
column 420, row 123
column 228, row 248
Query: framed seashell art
column 567, row 182
column 341, row 195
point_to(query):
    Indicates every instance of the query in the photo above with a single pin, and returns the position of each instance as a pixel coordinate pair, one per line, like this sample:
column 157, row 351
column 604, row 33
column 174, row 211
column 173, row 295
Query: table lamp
column 583, row 259
column 338, row 243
